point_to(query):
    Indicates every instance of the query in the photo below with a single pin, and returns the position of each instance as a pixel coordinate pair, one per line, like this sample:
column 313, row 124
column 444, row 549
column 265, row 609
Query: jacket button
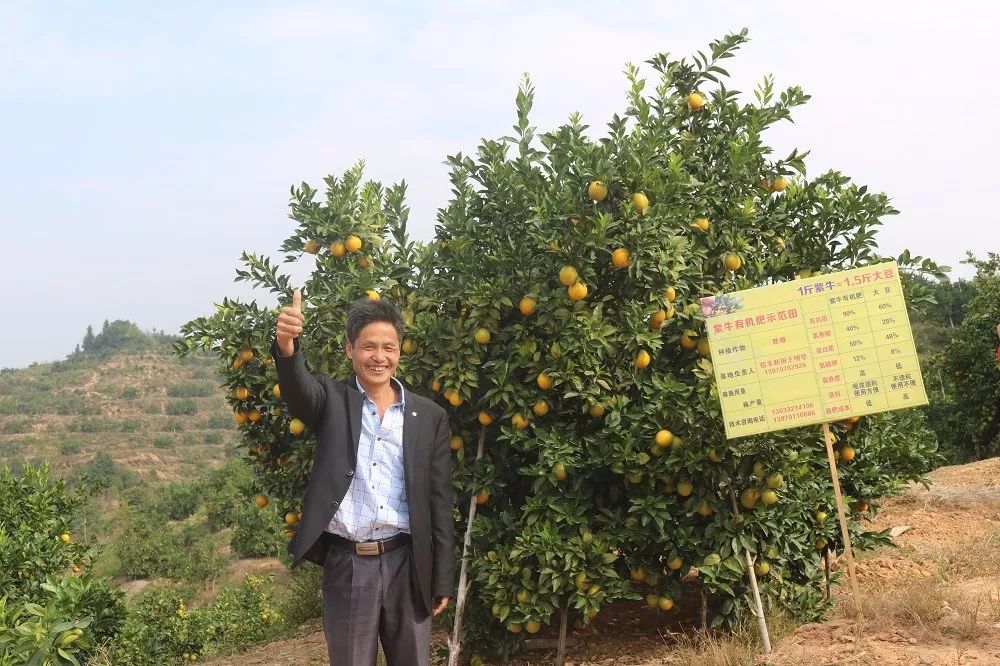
column 334, row 505
column 350, row 472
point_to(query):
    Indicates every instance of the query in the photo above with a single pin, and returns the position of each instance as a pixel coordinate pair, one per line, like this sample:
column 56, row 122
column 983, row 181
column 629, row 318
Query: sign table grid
column 809, row 352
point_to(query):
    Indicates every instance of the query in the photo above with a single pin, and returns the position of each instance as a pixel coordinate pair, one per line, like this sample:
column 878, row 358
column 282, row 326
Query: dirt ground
column 933, row 600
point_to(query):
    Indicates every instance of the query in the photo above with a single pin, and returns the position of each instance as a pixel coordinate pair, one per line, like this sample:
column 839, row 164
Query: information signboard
column 812, row 351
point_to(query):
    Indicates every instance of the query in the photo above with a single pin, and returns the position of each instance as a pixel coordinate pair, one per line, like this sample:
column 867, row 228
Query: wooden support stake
column 455, row 642
column 765, row 636
column 829, row 438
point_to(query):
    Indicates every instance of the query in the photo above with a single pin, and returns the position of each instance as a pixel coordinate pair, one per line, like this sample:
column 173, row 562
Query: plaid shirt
column 375, row 505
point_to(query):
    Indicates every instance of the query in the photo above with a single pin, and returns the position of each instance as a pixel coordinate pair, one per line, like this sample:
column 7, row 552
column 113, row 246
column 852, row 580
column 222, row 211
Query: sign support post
column 828, row 438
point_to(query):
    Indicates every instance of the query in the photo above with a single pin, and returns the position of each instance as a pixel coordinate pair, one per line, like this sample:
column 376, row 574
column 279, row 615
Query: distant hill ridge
column 119, row 405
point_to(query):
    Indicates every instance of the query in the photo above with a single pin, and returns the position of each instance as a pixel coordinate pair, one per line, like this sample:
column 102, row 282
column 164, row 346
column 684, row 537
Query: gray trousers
column 372, row 597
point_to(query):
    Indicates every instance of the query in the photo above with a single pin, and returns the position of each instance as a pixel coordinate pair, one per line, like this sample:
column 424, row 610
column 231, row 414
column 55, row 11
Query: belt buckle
column 367, row 548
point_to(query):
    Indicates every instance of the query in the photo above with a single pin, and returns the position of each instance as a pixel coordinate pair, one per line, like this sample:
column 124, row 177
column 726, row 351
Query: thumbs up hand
column 290, row 322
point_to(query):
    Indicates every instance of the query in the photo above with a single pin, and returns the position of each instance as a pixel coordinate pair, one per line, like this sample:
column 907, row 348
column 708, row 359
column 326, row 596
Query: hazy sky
column 145, row 145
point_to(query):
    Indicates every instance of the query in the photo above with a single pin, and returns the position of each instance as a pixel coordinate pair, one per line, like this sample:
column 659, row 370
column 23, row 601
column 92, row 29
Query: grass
column 938, row 608
column 740, row 647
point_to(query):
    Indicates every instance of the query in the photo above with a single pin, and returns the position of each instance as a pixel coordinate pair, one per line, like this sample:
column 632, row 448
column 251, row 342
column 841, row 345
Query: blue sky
column 147, row 145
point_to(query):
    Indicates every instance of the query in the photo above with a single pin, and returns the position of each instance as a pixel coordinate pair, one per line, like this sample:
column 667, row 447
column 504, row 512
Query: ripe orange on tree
column 663, row 438
column 657, row 318
column 640, row 201
column 526, row 306
column 352, row 244
column 689, row 340
column 597, row 190
column 544, row 381
column 620, row 258
column 568, row 276
column 577, row 292
column 732, row 261
column 695, row 100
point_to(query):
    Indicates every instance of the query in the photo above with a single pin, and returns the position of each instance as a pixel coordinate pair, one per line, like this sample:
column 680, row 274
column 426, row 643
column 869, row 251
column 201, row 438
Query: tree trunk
column 704, row 610
column 563, row 620
column 455, row 643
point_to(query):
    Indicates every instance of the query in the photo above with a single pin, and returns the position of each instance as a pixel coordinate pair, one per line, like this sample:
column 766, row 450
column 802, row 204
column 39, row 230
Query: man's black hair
column 368, row 311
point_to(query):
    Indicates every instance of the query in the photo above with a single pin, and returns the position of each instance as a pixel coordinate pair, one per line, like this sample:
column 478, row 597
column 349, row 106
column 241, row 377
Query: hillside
column 934, row 599
column 161, row 418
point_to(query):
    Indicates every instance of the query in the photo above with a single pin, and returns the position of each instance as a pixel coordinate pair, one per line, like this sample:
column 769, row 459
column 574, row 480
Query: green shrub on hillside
column 130, row 393
column 163, row 442
column 219, row 422
column 36, row 509
column 103, row 472
column 302, row 599
column 16, row 426
column 131, row 425
column 257, row 532
column 69, row 447
column 178, row 500
column 47, row 615
column 174, row 425
column 160, row 629
column 240, row 617
column 181, row 407
column 149, row 548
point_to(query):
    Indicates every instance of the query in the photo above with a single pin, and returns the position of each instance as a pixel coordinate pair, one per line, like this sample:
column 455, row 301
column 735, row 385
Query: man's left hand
column 441, row 605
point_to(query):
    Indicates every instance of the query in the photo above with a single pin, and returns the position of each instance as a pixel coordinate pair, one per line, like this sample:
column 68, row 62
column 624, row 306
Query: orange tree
column 968, row 415
column 556, row 316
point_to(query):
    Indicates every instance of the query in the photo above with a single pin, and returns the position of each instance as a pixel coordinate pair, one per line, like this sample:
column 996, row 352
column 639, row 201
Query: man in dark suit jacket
column 377, row 511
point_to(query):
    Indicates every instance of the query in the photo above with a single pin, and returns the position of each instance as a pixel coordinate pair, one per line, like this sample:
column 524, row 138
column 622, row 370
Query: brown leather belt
column 368, row 547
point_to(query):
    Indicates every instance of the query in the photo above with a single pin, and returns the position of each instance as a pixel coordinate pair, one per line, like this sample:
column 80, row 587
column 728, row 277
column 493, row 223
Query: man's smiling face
column 375, row 354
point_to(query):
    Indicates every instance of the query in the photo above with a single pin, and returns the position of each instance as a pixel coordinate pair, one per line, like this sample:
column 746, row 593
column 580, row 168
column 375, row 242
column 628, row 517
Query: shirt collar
column 398, row 385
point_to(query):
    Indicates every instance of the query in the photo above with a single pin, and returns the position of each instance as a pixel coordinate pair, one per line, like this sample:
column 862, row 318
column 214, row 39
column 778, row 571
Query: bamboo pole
column 758, row 606
column 455, row 642
column 829, row 438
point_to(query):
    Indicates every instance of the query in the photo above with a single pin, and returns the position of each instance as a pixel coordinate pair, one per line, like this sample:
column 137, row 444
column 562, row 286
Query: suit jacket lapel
column 354, row 404
column 411, row 428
